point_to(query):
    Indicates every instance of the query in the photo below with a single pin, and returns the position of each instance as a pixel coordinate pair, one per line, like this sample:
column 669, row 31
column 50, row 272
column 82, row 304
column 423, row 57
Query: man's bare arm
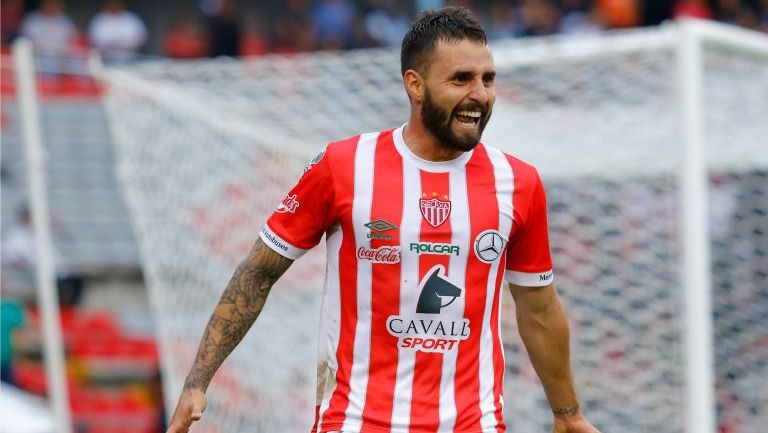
column 239, row 306
column 543, row 327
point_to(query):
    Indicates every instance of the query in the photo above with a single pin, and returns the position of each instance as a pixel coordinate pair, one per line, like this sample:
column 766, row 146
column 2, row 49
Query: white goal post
column 45, row 278
column 652, row 145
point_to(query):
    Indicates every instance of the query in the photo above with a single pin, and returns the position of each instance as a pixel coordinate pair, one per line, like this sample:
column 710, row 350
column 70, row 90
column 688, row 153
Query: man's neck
column 425, row 145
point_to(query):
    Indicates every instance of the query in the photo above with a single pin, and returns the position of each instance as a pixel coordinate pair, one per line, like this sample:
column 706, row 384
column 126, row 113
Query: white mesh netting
column 207, row 149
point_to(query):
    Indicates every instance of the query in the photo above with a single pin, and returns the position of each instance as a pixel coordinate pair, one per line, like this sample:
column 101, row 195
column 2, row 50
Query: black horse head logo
column 434, row 289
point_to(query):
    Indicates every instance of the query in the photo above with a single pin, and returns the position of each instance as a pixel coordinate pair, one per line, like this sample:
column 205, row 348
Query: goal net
column 207, row 148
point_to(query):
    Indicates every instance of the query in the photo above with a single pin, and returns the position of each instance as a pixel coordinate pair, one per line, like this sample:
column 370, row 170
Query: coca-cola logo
column 388, row 255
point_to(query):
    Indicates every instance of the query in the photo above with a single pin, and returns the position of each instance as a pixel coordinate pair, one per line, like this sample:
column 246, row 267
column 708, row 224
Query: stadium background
column 113, row 366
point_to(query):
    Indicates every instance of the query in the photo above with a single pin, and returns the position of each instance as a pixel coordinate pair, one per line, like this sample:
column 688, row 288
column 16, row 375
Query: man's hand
column 572, row 422
column 189, row 409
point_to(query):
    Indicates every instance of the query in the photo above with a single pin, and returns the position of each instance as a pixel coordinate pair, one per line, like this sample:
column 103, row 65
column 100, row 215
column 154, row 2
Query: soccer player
column 423, row 224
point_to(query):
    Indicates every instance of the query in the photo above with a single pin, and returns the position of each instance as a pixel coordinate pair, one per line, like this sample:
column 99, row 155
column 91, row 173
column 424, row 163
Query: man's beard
column 438, row 122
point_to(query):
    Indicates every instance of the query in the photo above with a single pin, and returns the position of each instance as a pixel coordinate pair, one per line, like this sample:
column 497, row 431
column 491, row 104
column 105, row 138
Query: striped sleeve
column 529, row 262
column 304, row 214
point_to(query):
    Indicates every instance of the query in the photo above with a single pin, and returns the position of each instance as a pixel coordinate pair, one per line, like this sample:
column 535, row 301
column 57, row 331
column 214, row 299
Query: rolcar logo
column 430, row 248
column 428, row 330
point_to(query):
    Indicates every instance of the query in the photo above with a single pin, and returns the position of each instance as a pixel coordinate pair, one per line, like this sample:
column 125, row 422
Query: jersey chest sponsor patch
column 386, row 255
column 426, row 329
column 489, row 245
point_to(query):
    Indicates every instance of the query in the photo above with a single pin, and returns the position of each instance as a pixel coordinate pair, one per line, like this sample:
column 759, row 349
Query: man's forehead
column 462, row 54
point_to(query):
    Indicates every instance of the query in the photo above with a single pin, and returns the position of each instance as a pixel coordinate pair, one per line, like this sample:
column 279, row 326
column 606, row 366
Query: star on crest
column 435, row 194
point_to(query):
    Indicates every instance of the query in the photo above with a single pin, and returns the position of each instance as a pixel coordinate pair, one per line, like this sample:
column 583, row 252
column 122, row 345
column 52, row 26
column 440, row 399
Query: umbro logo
column 378, row 227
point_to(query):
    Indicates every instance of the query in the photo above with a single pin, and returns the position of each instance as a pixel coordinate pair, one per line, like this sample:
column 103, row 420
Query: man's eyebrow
column 461, row 74
column 469, row 74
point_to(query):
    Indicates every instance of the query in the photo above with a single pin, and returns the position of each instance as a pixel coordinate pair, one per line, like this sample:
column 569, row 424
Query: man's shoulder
column 520, row 168
column 346, row 147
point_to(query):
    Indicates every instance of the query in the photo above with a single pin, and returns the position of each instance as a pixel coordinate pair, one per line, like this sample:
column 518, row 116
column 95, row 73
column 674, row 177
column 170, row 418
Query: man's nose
column 478, row 91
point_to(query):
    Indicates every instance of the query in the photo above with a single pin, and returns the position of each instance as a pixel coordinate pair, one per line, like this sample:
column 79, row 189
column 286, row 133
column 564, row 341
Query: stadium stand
column 112, row 365
column 90, row 218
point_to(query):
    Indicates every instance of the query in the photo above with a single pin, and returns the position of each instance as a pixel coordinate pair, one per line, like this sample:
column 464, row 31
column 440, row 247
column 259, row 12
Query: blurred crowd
column 202, row 28
column 117, row 33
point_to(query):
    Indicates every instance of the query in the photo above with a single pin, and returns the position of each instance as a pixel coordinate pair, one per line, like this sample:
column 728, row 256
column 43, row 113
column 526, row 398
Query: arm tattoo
column 566, row 411
column 239, row 306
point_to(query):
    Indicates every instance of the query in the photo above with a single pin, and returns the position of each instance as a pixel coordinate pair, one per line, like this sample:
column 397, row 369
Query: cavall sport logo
column 427, row 330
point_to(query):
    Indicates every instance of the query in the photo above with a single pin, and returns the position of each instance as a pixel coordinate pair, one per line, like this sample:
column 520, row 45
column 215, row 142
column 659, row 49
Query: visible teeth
column 475, row 114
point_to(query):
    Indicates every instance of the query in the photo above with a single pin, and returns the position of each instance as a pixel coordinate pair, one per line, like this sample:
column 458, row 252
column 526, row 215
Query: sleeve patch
column 280, row 245
column 529, row 279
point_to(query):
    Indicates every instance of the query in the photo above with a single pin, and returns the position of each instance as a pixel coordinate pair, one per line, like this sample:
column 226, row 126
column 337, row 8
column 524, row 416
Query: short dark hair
column 450, row 24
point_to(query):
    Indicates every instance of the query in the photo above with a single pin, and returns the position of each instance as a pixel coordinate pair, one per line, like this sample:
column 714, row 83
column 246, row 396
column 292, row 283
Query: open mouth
column 468, row 117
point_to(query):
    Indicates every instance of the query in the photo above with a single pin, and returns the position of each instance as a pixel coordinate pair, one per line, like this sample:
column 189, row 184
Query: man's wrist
column 193, row 382
column 567, row 412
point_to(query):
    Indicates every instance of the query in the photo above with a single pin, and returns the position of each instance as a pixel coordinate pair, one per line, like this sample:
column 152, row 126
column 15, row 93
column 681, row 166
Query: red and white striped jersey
column 417, row 250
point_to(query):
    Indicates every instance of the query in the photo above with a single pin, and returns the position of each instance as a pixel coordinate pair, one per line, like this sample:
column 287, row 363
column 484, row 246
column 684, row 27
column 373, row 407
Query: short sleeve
column 304, row 214
column 529, row 261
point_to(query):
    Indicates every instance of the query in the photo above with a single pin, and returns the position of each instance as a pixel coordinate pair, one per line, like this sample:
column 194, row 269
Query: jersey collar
column 457, row 163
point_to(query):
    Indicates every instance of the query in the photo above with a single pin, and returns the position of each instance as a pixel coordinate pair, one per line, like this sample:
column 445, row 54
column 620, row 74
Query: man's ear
column 414, row 85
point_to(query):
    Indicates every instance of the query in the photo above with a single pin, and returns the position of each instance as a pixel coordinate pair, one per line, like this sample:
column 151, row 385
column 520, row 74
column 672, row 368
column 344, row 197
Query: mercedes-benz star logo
column 489, row 245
